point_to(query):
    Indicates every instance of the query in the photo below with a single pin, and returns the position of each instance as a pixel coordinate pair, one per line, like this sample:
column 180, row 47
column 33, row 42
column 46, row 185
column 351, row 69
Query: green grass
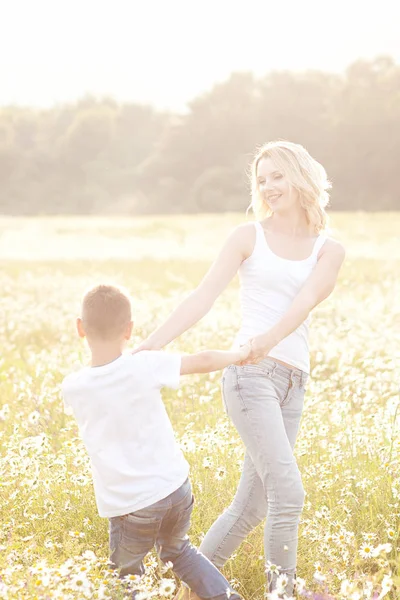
column 348, row 446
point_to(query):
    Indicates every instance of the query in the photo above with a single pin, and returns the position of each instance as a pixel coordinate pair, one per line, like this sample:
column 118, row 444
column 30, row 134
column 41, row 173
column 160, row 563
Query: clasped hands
column 260, row 346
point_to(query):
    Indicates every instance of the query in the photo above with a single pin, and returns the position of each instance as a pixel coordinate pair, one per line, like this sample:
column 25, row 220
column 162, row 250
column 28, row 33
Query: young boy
column 140, row 475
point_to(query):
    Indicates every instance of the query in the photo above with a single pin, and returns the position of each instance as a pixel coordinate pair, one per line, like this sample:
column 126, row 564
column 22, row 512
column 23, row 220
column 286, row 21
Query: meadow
column 52, row 542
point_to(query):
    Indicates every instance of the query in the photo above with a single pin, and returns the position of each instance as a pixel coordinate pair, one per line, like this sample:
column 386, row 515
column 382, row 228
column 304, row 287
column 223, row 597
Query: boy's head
column 106, row 314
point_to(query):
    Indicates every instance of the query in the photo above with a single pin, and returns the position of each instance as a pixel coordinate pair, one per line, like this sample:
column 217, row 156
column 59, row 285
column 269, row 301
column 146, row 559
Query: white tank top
column 269, row 284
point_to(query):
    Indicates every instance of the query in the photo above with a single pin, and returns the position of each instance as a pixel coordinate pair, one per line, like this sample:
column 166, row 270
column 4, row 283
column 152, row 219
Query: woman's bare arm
column 317, row 288
column 238, row 246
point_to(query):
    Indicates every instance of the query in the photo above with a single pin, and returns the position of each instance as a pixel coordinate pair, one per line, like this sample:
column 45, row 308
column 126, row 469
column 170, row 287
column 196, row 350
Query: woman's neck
column 293, row 224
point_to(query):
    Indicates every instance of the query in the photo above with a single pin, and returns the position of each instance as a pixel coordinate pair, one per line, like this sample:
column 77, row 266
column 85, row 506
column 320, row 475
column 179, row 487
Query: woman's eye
column 278, row 176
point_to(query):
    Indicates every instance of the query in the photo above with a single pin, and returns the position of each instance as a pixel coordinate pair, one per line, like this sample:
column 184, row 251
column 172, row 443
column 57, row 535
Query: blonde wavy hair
column 303, row 172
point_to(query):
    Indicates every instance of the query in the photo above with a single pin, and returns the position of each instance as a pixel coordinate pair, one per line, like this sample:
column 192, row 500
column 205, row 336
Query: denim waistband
column 290, row 373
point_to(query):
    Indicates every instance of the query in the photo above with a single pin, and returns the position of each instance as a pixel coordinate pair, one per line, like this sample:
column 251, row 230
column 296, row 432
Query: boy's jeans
column 165, row 525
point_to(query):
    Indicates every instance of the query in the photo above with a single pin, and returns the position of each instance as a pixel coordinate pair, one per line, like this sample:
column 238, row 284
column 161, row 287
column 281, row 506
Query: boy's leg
column 133, row 535
column 189, row 564
column 185, row 594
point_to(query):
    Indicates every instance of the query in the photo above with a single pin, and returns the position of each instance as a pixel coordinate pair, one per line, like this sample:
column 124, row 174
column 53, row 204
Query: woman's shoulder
column 332, row 246
column 245, row 235
column 247, row 226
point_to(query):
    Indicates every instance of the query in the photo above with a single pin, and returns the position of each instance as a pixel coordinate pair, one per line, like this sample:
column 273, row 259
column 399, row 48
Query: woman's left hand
column 261, row 345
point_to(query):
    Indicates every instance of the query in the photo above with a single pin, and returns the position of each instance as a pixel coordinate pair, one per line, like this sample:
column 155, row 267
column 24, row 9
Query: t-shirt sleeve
column 166, row 368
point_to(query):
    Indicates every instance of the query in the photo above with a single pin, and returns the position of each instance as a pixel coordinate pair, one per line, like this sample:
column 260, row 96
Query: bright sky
column 168, row 51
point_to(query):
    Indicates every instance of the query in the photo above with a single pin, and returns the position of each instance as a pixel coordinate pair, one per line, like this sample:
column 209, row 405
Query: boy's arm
column 212, row 360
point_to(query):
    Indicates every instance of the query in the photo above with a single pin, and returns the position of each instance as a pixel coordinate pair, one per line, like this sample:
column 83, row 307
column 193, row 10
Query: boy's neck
column 105, row 352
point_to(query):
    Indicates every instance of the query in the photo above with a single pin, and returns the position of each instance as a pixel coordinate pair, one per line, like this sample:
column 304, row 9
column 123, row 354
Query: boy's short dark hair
column 106, row 311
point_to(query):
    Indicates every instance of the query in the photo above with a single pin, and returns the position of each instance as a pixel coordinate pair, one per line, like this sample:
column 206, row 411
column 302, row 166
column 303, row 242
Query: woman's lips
column 274, row 197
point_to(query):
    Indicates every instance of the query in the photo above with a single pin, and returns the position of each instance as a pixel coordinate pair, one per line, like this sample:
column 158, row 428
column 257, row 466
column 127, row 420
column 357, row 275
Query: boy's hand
column 261, row 345
column 244, row 352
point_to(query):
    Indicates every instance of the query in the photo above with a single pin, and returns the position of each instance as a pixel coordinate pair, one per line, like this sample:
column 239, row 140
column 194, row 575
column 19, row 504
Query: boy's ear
column 128, row 331
column 79, row 328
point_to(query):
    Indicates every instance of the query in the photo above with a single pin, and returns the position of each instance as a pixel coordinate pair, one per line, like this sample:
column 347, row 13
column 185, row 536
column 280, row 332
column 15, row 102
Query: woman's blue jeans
column 264, row 402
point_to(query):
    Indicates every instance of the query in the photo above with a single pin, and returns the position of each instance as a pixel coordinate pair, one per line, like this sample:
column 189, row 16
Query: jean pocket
column 137, row 529
column 182, row 523
column 294, row 399
column 138, row 519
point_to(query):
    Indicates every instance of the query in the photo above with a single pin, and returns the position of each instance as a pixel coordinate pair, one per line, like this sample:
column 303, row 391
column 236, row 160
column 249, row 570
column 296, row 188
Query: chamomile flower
column 300, row 584
column 34, row 417
column 167, row 587
column 80, row 583
column 391, row 533
column 282, row 582
column 166, row 566
column 143, row 595
column 366, row 551
column 272, row 568
column 77, row 534
column 369, row 537
column 220, row 473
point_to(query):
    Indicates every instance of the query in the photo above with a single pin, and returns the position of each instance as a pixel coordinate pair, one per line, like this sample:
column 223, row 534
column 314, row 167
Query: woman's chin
column 280, row 207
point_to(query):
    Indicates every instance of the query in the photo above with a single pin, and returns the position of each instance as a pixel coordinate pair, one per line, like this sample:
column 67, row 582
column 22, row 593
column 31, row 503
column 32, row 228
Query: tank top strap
column 260, row 236
column 259, row 228
column 321, row 239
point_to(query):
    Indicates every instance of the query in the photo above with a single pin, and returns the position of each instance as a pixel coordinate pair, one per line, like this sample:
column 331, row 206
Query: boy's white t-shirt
column 135, row 457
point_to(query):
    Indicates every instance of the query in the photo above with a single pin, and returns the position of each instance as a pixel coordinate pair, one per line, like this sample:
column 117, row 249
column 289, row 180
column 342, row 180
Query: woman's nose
column 269, row 185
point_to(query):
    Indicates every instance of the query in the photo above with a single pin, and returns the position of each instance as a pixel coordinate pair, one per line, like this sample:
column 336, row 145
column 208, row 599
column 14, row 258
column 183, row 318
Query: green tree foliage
column 101, row 156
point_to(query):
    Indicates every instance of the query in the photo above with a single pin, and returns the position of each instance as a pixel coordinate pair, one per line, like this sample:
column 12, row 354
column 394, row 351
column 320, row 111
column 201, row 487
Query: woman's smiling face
column 274, row 187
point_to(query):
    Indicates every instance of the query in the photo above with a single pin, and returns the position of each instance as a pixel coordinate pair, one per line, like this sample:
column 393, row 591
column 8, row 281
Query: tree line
column 101, row 156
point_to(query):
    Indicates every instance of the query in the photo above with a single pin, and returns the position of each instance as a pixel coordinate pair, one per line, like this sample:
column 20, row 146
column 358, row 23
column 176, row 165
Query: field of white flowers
column 53, row 544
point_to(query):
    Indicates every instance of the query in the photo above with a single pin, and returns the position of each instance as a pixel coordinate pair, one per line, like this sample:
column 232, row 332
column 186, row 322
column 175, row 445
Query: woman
column 286, row 267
